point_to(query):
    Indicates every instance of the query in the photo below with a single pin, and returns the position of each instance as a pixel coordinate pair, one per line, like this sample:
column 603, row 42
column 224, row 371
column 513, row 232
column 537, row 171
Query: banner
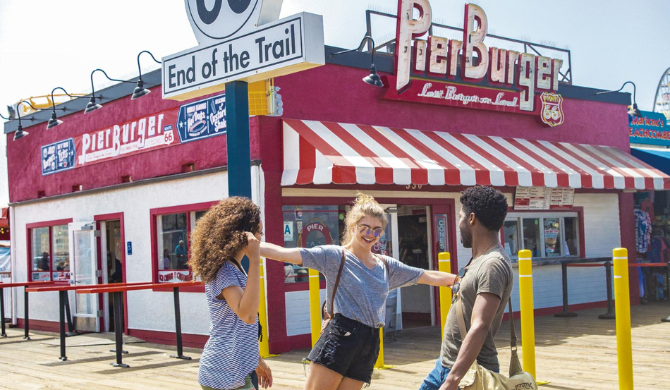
column 190, row 122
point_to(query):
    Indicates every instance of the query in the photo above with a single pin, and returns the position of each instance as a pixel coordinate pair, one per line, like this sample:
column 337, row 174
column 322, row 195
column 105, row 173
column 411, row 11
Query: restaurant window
column 307, row 227
column 546, row 235
column 173, row 232
column 50, row 253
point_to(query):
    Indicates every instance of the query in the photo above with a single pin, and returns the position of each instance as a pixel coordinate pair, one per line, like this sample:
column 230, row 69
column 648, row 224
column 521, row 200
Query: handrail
column 69, row 287
column 25, row 284
column 112, row 289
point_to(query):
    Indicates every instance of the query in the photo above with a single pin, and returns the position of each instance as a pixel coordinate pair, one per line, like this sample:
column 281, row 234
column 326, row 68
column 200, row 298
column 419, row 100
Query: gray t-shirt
column 361, row 294
column 488, row 273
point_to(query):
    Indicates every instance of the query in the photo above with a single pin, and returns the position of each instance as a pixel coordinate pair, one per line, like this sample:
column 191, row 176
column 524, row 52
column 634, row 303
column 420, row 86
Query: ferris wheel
column 662, row 98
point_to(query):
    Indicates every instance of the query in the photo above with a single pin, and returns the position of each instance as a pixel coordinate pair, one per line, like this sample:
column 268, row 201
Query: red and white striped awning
column 325, row 152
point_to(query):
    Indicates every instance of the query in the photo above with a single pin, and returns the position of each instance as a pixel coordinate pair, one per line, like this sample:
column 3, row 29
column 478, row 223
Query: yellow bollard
column 263, row 345
column 444, row 265
column 622, row 310
column 379, row 364
column 314, row 305
column 527, row 311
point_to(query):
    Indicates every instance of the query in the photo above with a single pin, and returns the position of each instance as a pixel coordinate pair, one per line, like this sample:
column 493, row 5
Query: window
column 307, row 227
column 546, row 235
column 173, row 227
column 49, row 253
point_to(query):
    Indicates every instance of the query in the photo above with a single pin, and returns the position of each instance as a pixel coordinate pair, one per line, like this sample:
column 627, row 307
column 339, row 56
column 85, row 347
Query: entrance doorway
column 415, row 250
column 111, row 251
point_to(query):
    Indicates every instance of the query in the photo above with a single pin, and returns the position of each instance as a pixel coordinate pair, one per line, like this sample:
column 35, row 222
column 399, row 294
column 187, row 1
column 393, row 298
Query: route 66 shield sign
column 551, row 112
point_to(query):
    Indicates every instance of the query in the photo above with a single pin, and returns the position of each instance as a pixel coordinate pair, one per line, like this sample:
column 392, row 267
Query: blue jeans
column 435, row 378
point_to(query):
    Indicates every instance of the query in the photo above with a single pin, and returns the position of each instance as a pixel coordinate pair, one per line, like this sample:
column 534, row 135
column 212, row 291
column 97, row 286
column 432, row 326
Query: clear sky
column 46, row 44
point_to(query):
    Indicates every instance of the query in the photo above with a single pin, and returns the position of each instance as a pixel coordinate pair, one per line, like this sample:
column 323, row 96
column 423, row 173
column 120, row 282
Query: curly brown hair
column 220, row 235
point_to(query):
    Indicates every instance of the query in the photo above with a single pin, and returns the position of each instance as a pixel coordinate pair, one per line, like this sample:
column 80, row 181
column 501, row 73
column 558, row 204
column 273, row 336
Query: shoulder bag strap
column 463, row 330
column 337, row 283
column 386, row 264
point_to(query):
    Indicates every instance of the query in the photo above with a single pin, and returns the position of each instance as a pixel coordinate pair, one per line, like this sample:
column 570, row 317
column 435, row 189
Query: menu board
column 543, row 198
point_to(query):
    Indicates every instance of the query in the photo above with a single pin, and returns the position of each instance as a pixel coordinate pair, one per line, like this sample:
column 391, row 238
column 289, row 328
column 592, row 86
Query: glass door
column 85, row 272
column 388, row 246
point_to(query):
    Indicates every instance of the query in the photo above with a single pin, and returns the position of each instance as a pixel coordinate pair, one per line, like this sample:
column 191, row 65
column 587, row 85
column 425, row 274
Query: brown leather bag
column 325, row 314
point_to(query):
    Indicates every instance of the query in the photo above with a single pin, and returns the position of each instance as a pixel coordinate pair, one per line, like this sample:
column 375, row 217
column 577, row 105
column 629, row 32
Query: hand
column 264, row 374
column 253, row 248
column 449, row 386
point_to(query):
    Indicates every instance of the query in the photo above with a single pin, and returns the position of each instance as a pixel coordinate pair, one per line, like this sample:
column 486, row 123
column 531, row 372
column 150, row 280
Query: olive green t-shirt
column 488, row 273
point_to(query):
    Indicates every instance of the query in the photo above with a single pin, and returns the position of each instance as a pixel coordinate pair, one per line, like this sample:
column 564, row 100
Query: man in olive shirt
column 484, row 286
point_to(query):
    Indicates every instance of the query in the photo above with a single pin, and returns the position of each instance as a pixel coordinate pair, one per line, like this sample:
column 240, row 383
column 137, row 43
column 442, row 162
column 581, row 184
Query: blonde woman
column 223, row 236
column 346, row 352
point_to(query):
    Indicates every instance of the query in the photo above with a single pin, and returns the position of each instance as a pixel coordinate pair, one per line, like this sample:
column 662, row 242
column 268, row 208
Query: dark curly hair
column 488, row 204
column 220, row 235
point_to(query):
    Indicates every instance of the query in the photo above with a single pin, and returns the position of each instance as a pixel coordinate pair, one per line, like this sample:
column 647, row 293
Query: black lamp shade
column 373, row 78
column 139, row 90
column 20, row 133
column 91, row 106
column 635, row 111
column 53, row 122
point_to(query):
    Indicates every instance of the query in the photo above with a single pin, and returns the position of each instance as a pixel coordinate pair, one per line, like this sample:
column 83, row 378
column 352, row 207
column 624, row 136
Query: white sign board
column 543, row 198
column 275, row 49
column 288, row 231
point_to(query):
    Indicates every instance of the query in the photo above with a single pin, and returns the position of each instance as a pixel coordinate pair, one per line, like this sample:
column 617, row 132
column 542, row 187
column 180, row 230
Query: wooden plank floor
column 572, row 353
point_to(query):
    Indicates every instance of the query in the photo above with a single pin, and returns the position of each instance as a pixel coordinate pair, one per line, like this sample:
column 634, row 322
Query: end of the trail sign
column 275, row 49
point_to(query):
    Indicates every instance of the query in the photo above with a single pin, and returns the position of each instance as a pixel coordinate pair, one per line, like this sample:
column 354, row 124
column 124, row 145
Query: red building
column 142, row 172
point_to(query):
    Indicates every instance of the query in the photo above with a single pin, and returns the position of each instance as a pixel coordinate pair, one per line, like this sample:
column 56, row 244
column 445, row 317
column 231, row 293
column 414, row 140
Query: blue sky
column 46, row 43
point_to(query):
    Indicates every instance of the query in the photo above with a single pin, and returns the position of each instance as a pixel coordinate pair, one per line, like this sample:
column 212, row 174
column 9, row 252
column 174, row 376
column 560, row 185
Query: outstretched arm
column 437, row 278
column 276, row 252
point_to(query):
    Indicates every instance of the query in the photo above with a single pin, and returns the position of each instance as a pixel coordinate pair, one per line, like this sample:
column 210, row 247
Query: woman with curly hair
column 222, row 237
column 344, row 356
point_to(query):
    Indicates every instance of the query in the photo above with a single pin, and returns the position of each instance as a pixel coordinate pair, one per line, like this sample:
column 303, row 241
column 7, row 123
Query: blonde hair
column 364, row 206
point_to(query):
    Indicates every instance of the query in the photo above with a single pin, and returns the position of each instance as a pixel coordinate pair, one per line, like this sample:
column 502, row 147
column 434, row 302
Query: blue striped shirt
column 231, row 353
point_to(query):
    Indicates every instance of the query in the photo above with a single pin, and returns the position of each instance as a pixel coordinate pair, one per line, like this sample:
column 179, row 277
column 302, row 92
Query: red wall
column 337, row 94
column 24, row 161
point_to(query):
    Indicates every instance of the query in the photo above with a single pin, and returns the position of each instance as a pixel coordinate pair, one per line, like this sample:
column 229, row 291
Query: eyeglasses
column 365, row 229
column 457, row 284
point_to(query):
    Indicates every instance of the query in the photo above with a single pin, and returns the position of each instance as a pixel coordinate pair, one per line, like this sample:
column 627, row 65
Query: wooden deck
column 572, row 353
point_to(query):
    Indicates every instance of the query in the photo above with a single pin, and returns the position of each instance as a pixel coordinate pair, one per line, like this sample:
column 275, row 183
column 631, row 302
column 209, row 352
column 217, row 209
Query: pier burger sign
column 518, row 75
column 241, row 40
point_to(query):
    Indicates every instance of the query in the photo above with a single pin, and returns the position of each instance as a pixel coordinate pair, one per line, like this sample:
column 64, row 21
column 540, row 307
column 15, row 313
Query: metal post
column 565, row 312
column 118, row 329
column 237, row 142
column 526, row 307
column 315, row 305
column 26, row 321
column 2, row 311
column 444, row 265
column 61, row 318
column 623, row 332
column 177, row 323
column 610, row 306
column 71, row 330
column 667, row 284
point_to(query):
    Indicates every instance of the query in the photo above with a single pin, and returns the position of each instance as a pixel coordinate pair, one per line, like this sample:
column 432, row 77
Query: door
column 85, row 272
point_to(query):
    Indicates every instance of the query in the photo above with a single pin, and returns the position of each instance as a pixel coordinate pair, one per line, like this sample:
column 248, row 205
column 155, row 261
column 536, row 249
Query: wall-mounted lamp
column 92, row 105
column 373, row 77
column 19, row 132
column 634, row 111
column 54, row 121
column 140, row 90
